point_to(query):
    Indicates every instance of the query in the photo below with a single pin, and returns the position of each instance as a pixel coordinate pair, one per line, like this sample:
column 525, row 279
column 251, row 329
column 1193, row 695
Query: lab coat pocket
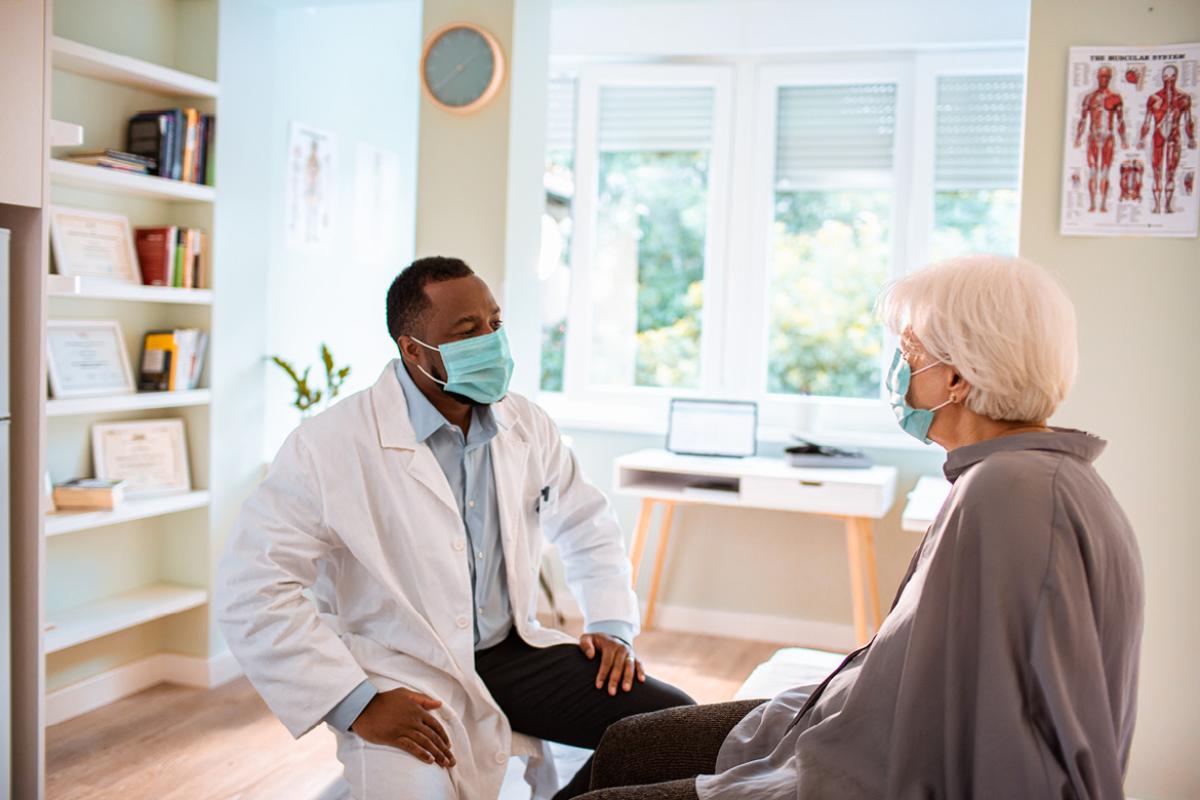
column 546, row 502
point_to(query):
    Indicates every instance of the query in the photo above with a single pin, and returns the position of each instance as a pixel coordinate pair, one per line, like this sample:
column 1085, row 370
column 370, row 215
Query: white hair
column 1005, row 324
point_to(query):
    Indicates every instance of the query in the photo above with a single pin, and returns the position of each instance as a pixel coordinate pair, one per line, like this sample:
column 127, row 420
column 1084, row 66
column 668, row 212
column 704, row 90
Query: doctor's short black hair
column 406, row 299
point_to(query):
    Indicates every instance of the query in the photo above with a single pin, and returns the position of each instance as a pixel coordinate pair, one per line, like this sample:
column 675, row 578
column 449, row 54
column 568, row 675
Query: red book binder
column 155, row 252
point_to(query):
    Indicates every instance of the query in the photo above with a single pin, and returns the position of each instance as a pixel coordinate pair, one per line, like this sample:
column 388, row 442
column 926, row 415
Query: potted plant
column 308, row 397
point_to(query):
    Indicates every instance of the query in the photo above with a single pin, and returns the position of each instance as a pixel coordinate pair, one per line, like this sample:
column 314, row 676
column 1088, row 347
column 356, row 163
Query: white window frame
column 803, row 412
column 735, row 324
column 928, row 68
column 578, row 391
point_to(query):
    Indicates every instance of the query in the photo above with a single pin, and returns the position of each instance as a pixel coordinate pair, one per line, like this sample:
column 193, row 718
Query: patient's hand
column 400, row 718
column 618, row 665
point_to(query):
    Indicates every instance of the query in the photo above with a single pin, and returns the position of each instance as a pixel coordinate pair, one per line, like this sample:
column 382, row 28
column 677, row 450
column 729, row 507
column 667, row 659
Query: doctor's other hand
column 400, row 718
column 618, row 665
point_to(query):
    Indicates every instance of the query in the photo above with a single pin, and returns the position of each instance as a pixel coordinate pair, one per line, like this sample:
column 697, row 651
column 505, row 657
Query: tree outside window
column 830, row 256
column 648, row 262
column 653, row 206
column 831, row 239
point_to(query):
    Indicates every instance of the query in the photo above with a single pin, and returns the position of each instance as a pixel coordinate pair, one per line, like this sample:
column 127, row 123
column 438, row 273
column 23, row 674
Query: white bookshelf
column 63, row 522
column 101, row 289
column 137, row 401
column 86, row 176
column 80, row 74
column 93, row 62
column 168, row 575
column 113, row 614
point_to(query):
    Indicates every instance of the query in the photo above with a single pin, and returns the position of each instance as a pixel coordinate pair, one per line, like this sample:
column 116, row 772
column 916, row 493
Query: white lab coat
column 356, row 509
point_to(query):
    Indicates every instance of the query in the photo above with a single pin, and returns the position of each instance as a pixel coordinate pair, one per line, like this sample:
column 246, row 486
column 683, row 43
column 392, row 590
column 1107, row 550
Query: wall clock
column 462, row 68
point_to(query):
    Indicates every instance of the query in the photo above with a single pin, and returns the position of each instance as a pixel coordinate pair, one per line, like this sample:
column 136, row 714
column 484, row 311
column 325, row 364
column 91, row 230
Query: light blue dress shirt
column 467, row 464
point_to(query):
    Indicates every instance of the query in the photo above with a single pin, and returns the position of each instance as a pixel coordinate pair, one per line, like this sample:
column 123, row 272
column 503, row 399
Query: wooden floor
column 192, row 744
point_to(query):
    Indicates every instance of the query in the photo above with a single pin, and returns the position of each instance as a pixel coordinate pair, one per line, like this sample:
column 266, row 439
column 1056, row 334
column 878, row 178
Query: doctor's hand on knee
column 618, row 665
column 400, row 718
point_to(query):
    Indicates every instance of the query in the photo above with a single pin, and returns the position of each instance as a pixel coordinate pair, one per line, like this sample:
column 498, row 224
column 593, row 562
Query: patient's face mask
column 478, row 368
column 914, row 421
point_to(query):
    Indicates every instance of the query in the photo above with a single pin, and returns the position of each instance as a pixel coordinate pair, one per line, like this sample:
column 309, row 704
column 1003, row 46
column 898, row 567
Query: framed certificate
column 92, row 244
column 87, row 358
column 149, row 455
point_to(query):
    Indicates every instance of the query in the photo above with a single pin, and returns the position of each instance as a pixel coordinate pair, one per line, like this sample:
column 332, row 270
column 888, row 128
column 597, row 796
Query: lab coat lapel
column 424, row 468
column 510, row 455
column 396, row 432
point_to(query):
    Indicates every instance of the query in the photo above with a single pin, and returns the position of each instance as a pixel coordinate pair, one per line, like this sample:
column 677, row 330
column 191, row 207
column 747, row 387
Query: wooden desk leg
column 854, row 556
column 638, row 545
column 868, row 552
column 660, row 557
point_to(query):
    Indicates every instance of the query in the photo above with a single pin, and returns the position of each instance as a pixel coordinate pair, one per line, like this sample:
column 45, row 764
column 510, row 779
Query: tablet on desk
column 713, row 428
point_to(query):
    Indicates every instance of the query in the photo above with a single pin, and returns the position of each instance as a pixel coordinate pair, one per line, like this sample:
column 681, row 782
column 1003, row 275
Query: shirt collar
column 427, row 420
column 1061, row 440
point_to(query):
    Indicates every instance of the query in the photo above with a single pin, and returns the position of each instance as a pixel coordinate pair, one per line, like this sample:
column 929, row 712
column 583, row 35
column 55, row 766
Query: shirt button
column 501, row 758
column 462, row 622
column 480, row 555
column 471, row 503
column 480, row 609
column 460, row 545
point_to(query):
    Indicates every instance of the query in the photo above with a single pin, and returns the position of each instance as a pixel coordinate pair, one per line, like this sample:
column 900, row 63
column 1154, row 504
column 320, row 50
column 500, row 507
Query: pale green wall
column 348, row 69
column 344, row 67
column 240, row 253
column 479, row 190
column 167, row 32
column 1138, row 334
column 462, row 168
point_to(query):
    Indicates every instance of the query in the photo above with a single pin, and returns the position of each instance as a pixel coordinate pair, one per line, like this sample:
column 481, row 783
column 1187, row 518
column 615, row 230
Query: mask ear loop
column 952, row 399
column 943, row 405
column 427, row 375
column 423, row 372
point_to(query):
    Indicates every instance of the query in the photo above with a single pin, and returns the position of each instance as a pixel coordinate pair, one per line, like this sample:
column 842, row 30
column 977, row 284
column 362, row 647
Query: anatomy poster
column 1131, row 158
column 310, row 188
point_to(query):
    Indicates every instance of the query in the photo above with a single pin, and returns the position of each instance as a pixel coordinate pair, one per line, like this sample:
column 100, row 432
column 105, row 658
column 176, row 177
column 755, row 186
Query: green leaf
column 327, row 359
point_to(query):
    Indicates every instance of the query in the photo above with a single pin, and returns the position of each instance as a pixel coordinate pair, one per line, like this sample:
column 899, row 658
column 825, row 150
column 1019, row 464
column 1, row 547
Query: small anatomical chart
column 1131, row 159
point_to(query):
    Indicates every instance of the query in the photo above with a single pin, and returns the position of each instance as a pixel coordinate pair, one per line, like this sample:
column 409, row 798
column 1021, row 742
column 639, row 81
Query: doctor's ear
column 408, row 348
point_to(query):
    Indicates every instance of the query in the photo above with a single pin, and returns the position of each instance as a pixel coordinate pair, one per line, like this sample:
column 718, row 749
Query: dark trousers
column 658, row 756
column 551, row 693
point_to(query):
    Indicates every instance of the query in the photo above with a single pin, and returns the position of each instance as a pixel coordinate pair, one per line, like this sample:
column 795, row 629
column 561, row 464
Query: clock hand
column 453, row 74
column 457, row 71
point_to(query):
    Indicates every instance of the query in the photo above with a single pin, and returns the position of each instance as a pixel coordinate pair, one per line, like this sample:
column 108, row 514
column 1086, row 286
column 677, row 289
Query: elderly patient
column 1007, row 666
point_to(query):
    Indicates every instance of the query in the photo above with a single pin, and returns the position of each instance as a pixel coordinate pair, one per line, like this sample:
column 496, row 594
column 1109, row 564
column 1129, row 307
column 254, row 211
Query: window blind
column 560, row 115
column 655, row 118
column 978, row 134
column 834, row 134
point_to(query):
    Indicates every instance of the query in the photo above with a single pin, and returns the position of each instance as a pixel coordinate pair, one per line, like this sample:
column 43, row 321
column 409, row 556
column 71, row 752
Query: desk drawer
column 822, row 497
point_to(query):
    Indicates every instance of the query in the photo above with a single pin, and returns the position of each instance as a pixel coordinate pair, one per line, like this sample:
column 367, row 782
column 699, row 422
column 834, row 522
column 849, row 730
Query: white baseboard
column 223, row 668
column 108, row 687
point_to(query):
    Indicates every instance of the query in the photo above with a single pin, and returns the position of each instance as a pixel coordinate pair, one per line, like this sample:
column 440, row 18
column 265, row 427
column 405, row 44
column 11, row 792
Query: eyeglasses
column 909, row 355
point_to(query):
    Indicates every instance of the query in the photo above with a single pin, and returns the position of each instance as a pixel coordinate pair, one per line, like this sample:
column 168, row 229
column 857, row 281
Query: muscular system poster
column 1131, row 161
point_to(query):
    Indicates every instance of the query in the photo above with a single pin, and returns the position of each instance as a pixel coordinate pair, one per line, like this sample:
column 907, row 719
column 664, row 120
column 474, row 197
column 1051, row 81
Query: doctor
column 415, row 512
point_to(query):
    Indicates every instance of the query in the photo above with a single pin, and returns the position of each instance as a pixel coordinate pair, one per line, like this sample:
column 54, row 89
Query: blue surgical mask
column 914, row 421
column 479, row 368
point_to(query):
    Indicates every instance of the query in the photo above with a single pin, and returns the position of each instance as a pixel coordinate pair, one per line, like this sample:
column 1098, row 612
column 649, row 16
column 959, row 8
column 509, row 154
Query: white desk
column 856, row 496
column 924, row 502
